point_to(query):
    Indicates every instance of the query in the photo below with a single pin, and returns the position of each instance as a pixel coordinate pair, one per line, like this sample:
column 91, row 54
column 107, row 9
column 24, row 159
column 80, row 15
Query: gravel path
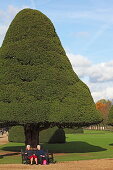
column 3, row 139
column 100, row 164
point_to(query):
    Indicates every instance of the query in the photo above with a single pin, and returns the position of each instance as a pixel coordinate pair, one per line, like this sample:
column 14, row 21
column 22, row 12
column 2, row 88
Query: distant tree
column 38, row 87
column 110, row 116
column 104, row 106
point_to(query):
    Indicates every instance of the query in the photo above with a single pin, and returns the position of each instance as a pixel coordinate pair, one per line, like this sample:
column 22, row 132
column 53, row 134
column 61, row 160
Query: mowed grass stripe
column 90, row 145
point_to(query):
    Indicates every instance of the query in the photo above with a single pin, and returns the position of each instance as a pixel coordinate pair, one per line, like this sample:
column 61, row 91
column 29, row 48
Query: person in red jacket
column 30, row 155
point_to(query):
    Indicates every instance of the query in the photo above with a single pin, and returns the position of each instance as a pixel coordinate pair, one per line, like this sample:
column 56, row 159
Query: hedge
column 51, row 135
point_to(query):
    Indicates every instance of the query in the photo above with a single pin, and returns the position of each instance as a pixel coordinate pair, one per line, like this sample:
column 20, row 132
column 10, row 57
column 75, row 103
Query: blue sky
column 85, row 28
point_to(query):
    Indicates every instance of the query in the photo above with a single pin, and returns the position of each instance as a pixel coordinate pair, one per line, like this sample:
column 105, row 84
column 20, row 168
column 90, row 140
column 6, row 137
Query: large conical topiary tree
column 38, row 87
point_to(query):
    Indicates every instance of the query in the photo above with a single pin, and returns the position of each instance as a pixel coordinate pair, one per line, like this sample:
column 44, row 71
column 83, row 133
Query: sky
column 85, row 28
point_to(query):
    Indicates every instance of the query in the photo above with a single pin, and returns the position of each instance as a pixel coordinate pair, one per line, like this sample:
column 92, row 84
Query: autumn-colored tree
column 104, row 106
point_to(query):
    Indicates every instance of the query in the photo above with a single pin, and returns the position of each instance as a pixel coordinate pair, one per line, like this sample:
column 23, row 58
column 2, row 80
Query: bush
column 51, row 135
column 16, row 134
column 72, row 131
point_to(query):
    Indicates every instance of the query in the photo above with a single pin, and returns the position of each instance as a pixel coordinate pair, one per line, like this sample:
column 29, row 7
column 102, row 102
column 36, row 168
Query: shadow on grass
column 111, row 144
column 13, row 148
column 73, row 147
column 9, row 154
column 69, row 147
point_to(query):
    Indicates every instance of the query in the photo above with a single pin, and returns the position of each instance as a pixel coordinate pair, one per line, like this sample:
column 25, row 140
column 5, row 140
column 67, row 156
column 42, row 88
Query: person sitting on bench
column 30, row 155
column 42, row 155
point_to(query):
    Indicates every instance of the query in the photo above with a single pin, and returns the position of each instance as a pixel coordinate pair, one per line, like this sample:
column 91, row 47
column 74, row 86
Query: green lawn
column 90, row 145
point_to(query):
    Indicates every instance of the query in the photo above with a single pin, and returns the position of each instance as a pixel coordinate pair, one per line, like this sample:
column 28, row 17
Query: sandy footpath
column 100, row 164
column 3, row 139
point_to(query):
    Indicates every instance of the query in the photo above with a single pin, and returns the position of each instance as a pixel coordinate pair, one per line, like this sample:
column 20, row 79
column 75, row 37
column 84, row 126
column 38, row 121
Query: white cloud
column 79, row 64
column 96, row 72
column 101, row 72
column 78, row 60
column 12, row 10
column 106, row 93
column 3, row 29
column 98, row 77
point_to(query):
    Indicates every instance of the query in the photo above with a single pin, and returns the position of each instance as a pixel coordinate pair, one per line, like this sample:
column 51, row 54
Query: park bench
column 25, row 160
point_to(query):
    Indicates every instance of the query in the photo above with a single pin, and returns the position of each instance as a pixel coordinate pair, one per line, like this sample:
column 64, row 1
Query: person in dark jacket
column 42, row 155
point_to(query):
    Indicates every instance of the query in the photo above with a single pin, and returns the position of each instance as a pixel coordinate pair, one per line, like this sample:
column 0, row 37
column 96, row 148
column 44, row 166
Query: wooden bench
column 49, row 157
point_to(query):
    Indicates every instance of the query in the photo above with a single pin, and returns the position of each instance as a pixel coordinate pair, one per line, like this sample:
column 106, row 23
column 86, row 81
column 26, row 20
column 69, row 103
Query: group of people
column 36, row 154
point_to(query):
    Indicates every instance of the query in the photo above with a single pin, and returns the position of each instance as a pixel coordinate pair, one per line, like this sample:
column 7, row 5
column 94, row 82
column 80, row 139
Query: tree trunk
column 31, row 135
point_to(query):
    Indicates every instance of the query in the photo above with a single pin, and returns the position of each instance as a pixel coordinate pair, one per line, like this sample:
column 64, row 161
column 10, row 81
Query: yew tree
column 38, row 87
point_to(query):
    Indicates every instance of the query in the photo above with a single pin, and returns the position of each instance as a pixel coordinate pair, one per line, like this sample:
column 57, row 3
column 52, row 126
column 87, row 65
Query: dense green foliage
column 110, row 116
column 50, row 135
column 37, row 82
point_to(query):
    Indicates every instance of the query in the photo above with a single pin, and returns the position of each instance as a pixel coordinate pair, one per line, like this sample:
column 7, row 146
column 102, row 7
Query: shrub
column 51, row 135
column 16, row 134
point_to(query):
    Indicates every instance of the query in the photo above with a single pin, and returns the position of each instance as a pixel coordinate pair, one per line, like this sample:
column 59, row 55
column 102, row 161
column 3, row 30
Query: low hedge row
column 51, row 135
